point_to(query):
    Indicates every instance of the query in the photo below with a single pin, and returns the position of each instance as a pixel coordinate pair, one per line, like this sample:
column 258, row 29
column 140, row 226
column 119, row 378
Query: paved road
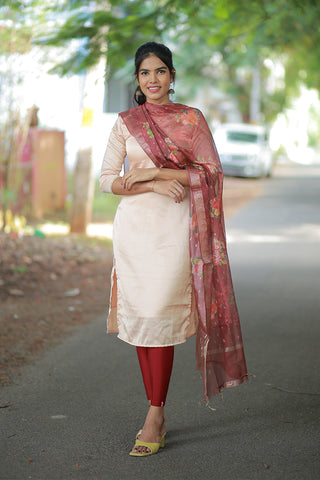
column 74, row 414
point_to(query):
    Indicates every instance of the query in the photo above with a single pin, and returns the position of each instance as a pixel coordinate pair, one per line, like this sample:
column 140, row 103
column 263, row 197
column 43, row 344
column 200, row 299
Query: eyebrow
column 158, row 68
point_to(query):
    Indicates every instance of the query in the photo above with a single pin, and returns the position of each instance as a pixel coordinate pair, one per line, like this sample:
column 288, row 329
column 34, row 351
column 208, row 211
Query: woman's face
column 154, row 79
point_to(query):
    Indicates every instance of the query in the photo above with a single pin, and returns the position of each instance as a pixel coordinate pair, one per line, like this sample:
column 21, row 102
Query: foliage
column 213, row 40
column 15, row 32
column 242, row 33
column 289, row 26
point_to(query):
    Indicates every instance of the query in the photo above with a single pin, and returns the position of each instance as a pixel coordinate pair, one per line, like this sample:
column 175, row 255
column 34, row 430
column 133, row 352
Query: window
column 244, row 137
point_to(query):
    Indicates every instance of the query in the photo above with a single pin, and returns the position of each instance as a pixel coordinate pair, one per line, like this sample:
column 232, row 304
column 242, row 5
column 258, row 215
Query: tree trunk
column 255, row 97
column 82, row 192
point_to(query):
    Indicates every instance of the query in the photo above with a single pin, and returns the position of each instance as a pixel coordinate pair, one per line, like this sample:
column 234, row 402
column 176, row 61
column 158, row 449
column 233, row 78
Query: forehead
column 152, row 63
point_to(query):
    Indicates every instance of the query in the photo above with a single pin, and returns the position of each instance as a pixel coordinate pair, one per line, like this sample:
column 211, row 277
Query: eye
column 161, row 71
column 143, row 74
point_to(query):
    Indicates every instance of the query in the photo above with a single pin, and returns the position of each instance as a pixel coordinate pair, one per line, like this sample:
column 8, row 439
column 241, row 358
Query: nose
column 153, row 77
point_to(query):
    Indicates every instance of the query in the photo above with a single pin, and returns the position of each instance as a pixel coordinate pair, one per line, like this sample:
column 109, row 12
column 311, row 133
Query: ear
column 173, row 75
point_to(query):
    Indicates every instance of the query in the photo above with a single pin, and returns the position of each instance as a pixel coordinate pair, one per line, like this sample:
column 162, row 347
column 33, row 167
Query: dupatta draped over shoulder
column 176, row 136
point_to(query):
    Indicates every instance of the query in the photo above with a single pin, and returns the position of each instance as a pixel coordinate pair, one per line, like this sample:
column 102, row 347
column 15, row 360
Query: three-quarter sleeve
column 113, row 158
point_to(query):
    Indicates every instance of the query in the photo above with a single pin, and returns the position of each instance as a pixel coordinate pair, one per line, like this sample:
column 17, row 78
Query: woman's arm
column 135, row 181
column 170, row 174
column 139, row 187
column 170, row 188
column 135, row 175
column 113, row 158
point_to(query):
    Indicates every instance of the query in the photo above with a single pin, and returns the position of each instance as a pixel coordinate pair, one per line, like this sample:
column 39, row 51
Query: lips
column 153, row 89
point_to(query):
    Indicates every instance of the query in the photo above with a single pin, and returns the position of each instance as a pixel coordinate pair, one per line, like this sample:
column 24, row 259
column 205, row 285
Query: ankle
column 156, row 414
column 154, row 419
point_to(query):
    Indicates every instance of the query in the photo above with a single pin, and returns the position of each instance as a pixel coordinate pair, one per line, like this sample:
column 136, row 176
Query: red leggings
column 156, row 367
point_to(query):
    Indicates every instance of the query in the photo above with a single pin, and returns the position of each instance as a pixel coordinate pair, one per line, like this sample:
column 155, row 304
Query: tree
column 289, row 26
column 243, row 33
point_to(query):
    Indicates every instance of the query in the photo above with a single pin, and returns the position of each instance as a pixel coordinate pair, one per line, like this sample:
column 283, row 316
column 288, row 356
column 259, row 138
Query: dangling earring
column 171, row 90
column 139, row 91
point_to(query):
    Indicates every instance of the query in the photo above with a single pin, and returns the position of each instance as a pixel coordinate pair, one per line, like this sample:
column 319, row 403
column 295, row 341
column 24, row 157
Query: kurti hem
column 155, row 346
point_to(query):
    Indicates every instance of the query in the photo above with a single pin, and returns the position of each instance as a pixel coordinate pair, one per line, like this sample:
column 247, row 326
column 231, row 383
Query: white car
column 244, row 150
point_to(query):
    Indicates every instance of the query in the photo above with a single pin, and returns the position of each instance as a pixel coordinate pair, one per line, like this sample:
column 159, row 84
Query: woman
column 171, row 276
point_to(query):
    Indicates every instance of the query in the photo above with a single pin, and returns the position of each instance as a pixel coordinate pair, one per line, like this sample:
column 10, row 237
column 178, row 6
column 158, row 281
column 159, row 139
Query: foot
column 163, row 428
column 153, row 430
column 143, row 449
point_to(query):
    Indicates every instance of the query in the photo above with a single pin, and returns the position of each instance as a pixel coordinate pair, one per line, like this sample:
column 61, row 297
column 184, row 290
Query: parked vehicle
column 244, row 150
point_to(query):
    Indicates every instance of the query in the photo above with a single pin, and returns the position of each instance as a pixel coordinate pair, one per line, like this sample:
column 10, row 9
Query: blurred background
column 66, row 70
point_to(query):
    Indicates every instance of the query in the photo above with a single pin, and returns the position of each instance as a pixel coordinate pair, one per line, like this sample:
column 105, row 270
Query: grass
column 104, row 205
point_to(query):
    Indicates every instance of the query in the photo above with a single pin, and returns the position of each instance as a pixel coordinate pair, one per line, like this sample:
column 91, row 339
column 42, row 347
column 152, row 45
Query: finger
column 177, row 196
column 179, row 188
column 129, row 184
column 180, row 195
column 128, row 181
column 183, row 193
column 126, row 178
column 173, row 195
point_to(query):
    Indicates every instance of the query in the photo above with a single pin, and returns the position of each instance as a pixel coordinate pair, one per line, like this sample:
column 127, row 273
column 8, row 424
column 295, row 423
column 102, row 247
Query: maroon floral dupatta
column 176, row 136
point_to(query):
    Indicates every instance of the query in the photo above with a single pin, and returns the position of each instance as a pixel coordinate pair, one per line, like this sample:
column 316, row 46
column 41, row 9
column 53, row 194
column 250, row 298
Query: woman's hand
column 171, row 188
column 138, row 175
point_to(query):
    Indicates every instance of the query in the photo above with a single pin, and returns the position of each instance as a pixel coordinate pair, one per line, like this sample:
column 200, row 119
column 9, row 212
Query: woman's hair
column 146, row 50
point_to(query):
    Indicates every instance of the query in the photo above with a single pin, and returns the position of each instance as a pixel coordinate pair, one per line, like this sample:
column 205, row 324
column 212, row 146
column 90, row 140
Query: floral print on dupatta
column 176, row 136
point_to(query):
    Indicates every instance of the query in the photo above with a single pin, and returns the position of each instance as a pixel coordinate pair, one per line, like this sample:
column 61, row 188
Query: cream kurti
column 152, row 302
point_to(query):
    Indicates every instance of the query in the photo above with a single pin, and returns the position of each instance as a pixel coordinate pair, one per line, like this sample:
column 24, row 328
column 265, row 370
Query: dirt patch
column 47, row 286
column 50, row 285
